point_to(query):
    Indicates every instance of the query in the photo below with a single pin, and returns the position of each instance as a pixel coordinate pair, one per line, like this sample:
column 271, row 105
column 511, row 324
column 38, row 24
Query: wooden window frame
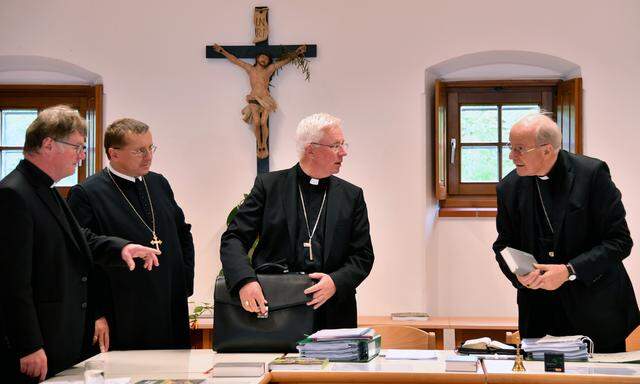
column 562, row 98
column 86, row 99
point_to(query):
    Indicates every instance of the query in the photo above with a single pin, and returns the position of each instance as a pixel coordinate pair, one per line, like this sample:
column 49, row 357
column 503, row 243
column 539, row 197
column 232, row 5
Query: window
column 472, row 124
column 19, row 106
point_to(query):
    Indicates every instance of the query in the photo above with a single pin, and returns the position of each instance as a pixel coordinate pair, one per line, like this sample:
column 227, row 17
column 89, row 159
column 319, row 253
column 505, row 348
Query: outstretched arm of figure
column 231, row 57
column 281, row 63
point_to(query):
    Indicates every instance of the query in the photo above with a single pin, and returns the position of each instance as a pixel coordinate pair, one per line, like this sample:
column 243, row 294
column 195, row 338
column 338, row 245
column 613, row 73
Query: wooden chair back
column 513, row 337
column 633, row 340
column 405, row 337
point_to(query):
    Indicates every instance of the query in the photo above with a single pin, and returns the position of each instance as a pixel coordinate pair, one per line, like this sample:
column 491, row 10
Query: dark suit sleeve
column 185, row 237
column 99, row 288
column 608, row 216
column 360, row 251
column 16, row 263
column 105, row 250
column 242, row 232
column 505, row 236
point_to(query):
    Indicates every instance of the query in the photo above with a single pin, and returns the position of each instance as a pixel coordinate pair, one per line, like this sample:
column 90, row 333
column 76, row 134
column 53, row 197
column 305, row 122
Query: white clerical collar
column 313, row 181
column 543, row 177
column 122, row 175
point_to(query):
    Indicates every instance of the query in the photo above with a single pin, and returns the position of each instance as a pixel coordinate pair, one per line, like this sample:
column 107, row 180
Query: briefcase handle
column 273, row 268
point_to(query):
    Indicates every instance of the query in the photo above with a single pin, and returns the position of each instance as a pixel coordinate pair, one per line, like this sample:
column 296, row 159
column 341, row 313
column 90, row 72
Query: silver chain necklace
column 306, row 221
column 155, row 241
column 544, row 209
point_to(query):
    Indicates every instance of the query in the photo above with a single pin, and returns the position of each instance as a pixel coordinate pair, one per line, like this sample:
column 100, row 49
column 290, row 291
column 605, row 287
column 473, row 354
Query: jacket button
column 83, row 279
column 83, row 305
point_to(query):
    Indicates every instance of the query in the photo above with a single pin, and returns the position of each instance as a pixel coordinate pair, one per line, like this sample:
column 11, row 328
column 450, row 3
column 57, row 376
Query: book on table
column 409, row 316
column 238, row 369
column 296, row 363
column 484, row 346
column 459, row 363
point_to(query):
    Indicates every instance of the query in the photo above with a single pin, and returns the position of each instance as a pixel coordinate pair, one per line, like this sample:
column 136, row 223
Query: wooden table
column 436, row 325
column 194, row 364
column 464, row 328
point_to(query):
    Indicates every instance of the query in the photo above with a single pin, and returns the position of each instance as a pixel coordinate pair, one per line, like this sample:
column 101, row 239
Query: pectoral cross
column 156, row 242
column 308, row 245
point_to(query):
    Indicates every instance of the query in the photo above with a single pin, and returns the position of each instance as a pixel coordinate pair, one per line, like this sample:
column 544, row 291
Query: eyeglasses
column 335, row 147
column 521, row 150
column 79, row 148
column 142, row 152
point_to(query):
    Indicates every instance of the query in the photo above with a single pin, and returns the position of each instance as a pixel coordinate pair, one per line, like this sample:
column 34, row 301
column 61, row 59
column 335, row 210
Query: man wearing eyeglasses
column 308, row 219
column 566, row 211
column 139, row 310
column 46, row 257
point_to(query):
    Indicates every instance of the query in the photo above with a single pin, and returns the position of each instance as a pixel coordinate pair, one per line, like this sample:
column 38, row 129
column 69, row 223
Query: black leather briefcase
column 288, row 320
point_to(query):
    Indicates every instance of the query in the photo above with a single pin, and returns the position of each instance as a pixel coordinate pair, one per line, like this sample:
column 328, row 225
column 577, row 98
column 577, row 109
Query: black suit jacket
column 45, row 259
column 591, row 233
column 270, row 211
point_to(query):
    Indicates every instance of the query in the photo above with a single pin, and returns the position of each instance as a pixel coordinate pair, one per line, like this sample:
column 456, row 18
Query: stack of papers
column 574, row 348
column 343, row 333
column 348, row 344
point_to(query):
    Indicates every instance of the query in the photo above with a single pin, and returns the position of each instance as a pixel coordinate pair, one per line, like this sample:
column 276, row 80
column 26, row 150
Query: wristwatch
column 572, row 272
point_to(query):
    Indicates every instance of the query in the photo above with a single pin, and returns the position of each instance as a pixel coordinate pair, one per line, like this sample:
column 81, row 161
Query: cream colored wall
column 370, row 70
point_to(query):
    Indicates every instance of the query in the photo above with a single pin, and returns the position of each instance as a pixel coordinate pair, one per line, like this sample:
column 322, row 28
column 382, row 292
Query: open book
column 485, row 345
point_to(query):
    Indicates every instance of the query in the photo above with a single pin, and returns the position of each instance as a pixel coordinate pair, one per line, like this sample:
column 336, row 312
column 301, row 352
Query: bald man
column 566, row 211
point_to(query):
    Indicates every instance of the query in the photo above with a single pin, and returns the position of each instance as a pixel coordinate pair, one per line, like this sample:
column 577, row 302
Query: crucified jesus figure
column 259, row 100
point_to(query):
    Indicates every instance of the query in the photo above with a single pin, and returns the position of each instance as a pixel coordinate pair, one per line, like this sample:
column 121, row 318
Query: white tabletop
column 571, row 368
column 163, row 364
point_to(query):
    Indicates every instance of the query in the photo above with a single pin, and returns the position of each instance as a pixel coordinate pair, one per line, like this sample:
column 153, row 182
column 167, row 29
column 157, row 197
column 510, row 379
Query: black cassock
column 145, row 309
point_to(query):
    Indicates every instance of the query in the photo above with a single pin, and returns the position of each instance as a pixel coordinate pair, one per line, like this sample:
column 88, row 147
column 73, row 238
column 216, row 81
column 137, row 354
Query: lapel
column 48, row 199
column 561, row 197
column 290, row 206
column 524, row 195
column 332, row 214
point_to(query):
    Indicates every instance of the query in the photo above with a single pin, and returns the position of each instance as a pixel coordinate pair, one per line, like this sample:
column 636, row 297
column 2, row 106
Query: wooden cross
column 261, row 19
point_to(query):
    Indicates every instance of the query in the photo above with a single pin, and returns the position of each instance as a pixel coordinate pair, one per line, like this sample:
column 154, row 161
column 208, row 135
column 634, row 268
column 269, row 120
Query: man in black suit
column 126, row 199
column 45, row 257
column 566, row 211
column 309, row 220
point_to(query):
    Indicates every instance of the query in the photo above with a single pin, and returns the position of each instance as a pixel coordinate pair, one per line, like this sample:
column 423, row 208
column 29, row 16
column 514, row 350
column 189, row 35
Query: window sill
column 468, row 206
column 467, row 212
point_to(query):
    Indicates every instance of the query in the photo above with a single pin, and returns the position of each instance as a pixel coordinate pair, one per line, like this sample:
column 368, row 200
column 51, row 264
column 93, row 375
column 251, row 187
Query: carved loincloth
column 264, row 103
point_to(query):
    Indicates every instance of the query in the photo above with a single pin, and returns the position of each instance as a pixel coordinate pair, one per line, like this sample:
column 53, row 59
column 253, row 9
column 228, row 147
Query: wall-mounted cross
column 259, row 101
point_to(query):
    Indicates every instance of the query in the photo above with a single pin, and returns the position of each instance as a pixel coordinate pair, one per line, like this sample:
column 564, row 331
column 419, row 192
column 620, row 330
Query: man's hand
column 101, row 334
column 552, row 276
column 252, row 298
column 35, row 364
column 545, row 276
column 322, row 290
column 149, row 255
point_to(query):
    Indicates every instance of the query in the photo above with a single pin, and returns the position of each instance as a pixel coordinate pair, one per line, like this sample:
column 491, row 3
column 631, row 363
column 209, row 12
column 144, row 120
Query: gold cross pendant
column 156, row 242
column 308, row 245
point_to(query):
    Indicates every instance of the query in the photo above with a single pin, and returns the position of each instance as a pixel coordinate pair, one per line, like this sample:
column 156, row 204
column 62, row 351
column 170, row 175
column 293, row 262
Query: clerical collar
column 39, row 176
column 122, row 175
column 306, row 180
column 556, row 172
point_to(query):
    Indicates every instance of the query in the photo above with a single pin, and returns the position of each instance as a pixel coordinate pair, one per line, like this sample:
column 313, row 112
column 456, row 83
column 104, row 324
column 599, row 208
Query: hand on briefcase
column 288, row 320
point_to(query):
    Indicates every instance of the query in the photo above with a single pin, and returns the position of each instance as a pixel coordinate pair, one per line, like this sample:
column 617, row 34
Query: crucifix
column 156, row 242
column 259, row 101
